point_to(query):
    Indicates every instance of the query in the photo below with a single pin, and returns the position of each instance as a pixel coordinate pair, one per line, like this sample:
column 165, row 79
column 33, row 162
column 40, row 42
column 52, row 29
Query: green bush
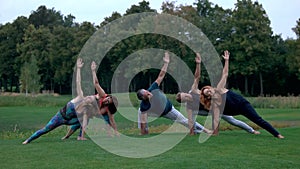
column 275, row 102
column 50, row 100
column 39, row 100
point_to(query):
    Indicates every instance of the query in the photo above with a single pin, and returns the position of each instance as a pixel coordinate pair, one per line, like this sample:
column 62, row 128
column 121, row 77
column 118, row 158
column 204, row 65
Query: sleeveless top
column 104, row 115
column 195, row 105
column 234, row 103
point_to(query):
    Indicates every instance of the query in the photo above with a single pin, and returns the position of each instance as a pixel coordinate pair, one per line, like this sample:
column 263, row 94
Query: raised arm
column 163, row 70
column 197, row 72
column 99, row 89
column 222, row 83
column 79, row 65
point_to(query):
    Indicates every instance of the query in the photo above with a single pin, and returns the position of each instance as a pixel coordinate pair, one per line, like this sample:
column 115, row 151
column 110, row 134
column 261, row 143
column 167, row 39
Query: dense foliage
column 262, row 63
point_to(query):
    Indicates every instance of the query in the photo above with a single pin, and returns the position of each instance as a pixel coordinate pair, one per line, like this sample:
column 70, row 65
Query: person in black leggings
column 215, row 99
column 194, row 107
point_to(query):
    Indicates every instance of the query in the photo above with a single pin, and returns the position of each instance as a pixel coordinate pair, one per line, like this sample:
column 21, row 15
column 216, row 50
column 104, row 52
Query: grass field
column 233, row 148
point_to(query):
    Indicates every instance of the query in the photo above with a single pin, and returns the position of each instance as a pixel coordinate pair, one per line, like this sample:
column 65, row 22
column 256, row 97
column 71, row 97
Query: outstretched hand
column 198, row 58
column 93, row 66
column 226, row 55
column 166, row 59
column 79, row 63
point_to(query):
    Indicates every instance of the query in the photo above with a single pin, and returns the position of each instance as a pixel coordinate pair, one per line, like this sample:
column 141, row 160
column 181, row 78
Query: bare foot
column 280, row 136
column 207, row 131
column 25, row 142
column 256, row 132
column 81, row 138
column 65, row 137
column 216, row 132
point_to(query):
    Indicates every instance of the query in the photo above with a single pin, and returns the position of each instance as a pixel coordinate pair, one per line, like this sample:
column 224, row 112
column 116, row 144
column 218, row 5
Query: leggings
column 177, row 117
column 230, row 119
column 233, row 121
column 76, row 126
column 56, row 121
column 248, row 111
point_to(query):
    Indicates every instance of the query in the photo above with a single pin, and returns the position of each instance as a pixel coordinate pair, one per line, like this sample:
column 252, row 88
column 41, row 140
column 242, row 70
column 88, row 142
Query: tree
column 125, row 47
column 37, row 43
column 46, row 17
column 62, row 56
column 297, row 29
column 69, row 21
column 114, row 16
column 250, row 41
column 10, row 36
column 30, row 79
column 142, row 7
column 293, row 60
column 259, row 60
column 7, row 47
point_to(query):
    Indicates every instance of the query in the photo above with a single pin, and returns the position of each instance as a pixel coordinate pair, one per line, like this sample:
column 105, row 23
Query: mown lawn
column 233, row 148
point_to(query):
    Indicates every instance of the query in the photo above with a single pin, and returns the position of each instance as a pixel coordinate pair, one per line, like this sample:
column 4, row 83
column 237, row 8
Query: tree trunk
column 252, row 89
column 246, row 85
column 150, row 80
column 17, row 86
column 5, row 83
column 261, row 84
column 26, row 88
column 51, row 85
column 11, row 84
column 60, row 91
column 133, row 86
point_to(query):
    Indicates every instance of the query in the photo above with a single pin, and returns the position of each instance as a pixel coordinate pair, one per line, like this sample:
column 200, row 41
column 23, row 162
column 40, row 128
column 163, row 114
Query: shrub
column 275, row 102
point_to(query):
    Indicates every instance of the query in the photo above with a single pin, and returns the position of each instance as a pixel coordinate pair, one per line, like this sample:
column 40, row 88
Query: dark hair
column 139, row 94
column 112, row 107
column 178, row 97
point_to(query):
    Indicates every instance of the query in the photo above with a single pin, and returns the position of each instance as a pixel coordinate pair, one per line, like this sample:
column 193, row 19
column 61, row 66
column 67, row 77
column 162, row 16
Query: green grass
column 40, row 100
column 233, row 148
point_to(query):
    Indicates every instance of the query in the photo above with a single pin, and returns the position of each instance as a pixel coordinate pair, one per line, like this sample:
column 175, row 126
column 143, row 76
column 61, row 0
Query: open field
column 233, row 148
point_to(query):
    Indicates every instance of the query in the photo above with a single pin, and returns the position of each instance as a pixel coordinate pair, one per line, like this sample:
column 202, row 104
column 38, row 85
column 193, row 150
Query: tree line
column 39, row 52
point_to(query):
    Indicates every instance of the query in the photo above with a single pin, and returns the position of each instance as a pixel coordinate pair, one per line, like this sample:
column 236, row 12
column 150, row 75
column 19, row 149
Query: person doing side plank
column 194, row 107
column 107, row 104
column 234, row 104
column 155, row 103
column 75, row 112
